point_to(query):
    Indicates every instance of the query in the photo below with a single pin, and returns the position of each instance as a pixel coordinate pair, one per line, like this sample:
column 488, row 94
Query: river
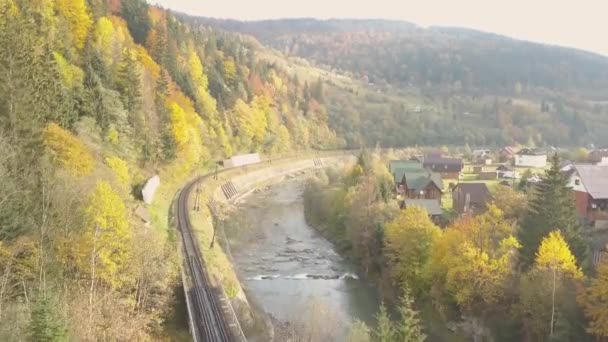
column 286, row 265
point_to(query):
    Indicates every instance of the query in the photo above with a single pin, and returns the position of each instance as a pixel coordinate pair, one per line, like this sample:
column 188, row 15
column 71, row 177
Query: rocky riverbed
column 288, row 269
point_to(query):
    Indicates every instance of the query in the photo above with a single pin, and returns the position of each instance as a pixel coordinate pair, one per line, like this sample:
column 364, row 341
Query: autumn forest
column 97, row 96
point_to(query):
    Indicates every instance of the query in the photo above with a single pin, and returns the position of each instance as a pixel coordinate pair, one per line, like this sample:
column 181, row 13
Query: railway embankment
column 213, row 196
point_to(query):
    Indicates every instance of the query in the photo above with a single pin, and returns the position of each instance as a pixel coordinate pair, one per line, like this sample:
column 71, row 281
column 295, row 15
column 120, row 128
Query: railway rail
column 208, row 317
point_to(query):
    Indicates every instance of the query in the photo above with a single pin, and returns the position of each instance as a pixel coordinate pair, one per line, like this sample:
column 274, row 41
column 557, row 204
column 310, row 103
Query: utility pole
column 212, row 205
column 197, row 198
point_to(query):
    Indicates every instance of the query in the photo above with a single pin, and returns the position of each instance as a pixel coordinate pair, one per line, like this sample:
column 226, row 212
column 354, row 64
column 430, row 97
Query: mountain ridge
column 504, row 59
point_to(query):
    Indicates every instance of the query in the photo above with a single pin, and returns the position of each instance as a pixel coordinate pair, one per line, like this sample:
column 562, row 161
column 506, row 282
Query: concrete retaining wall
column 248, row 181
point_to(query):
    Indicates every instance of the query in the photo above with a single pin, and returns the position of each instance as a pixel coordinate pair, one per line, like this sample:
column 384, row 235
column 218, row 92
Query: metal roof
column 533, row 152
column 430, row 205
column 443, row 164
column 404, row 164
column 417, row 179
column 478, row 192
column 595, row 179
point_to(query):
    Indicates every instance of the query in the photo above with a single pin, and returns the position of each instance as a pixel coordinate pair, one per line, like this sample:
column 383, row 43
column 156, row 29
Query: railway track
column 208, row 320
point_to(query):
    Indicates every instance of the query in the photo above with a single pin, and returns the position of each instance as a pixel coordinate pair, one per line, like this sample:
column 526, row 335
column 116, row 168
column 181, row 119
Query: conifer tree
column 409, row 328
column 135, row 12
column 44, row 325
column 551, row 208
column 129, row 82
column 384, row 328
column 594, row 301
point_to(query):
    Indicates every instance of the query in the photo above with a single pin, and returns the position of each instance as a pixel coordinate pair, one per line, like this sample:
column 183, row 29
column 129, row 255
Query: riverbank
column 289, row 269
column 351, row 209
column 244, row 181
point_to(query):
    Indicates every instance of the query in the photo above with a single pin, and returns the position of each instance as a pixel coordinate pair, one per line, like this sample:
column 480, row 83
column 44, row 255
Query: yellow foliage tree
column 146, row 60
column 554, row 255
column 283, row 139
column 478, row 276
column 67, row 150
column 71, row 74
column 408, row 242
column 109, row 37
column 186, row 127
column 474, row 259
column 112, row 135
column 77, row 16
column 11, row 8
column 120, row 169
column 102, row 250
column 229, row 70
column 594, row 300
column 207, row 103
column 179, row 125
column 197, row 73
column 243, row 121
column 277, row 83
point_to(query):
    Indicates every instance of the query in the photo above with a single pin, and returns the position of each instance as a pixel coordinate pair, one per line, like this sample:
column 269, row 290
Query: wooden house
column 445, row 166
column 470, row 197
column 413, row 181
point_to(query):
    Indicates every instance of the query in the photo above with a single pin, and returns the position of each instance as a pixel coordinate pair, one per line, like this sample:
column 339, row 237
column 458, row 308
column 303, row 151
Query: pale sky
column 575, row 23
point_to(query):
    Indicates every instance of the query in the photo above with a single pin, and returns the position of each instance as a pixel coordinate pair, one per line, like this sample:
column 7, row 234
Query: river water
column 286, row 265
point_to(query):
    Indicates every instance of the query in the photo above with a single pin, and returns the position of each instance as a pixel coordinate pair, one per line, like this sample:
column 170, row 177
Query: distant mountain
column 394, row 83
column 453, row 59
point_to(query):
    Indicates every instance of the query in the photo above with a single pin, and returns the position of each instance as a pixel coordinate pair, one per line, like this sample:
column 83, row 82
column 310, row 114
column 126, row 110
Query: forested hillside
column 403, row 53
column 96, row 97
column 445, row 85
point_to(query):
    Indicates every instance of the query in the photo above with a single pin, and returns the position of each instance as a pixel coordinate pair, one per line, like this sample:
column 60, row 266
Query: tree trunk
column 553, row 302
column 5, row 276
column 93, row 269
column 27, row 300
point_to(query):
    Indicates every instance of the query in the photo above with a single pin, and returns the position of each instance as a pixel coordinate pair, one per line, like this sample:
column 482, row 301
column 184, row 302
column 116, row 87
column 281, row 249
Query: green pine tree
column 409, row 329
column 523, row 182
column 129, row 82
column 168, row 146
column 552, row 207
column 135, row 12
column 45, row 326
column 384, row 329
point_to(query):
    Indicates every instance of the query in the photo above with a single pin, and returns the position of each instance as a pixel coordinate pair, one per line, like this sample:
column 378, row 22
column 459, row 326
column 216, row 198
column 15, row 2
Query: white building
column 531, row 158
column 480, row 153
column 242, row 160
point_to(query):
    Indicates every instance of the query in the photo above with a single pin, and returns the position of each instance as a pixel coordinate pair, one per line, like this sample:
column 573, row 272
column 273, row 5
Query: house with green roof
column 404, row 164
column 413, row 181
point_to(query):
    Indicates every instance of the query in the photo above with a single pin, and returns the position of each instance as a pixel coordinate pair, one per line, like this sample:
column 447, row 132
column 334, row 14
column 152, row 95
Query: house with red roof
column 589, row 185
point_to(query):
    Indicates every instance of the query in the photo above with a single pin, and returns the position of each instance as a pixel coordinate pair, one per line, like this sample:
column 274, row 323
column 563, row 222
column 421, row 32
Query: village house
column 589, row 185
column 445, row 166
column 505, row 172
column 470, row 198
column 413, row 181
column 599, row 157
column 432, row 207
column 480, row 153
column 506, row 153
column 481, row 157
column 531, row 158
column 413, row 164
